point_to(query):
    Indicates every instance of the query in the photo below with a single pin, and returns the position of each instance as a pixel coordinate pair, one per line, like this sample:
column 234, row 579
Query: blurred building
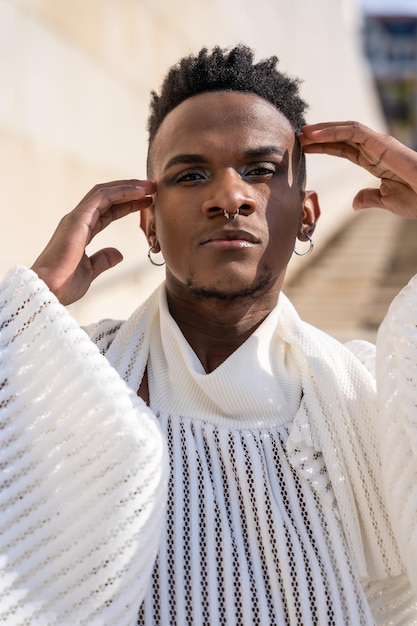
column 390, row 42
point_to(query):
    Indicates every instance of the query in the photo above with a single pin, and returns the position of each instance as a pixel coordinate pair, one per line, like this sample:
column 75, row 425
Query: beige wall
column 75, row 77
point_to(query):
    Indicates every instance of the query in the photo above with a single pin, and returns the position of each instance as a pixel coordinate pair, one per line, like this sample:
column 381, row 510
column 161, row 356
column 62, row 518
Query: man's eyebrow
column 264, row 151
column 184, row 159
column 190, row 159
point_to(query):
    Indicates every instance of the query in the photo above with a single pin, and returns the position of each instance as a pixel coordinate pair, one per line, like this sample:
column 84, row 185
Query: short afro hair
column 225, row 69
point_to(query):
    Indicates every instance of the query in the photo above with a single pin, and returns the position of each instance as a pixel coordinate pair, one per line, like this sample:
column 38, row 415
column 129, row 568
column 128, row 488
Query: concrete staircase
column 347, row 287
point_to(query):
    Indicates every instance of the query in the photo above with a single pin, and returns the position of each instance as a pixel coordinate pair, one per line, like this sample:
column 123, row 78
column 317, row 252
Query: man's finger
column 104, row 259
column 330, row 132
column 367, row 199
column 117, row 211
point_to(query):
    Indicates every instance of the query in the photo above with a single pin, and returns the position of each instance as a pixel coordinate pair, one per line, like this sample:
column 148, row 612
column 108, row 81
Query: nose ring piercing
column 232, row 216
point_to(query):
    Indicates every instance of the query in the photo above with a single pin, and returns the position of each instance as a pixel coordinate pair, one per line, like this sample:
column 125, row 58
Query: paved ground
column 347, row 288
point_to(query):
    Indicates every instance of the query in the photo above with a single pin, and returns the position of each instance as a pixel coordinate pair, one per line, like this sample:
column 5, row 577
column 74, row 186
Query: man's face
column 217, row 152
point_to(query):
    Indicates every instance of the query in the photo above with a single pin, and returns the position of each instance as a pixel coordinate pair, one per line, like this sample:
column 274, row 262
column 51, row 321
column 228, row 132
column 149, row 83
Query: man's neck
column 215, row 328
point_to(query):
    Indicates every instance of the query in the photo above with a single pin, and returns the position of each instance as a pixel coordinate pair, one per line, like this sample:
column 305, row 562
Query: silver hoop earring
column 307, row 252
column 151, row 249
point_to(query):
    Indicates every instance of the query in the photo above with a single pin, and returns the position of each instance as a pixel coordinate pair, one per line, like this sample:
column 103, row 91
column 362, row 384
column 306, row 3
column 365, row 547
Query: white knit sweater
column 291, row 499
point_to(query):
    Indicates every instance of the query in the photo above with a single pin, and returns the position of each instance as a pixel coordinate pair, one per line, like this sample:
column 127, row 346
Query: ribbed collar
column 258, row 386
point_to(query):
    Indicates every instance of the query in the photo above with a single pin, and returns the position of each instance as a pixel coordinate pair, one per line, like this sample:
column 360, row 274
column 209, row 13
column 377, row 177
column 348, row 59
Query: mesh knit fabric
column 269, row 518
column 82, row 466
column 331, row 452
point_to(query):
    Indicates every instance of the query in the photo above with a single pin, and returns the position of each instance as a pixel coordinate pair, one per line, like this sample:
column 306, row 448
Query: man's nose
column 229, row 194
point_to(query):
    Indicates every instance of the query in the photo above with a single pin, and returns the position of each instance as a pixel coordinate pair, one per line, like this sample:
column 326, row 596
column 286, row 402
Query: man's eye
column 260, row 171
column 189, row 177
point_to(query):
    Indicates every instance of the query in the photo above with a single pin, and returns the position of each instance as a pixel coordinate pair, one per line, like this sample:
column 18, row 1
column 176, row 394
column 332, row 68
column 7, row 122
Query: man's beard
column 248, row 293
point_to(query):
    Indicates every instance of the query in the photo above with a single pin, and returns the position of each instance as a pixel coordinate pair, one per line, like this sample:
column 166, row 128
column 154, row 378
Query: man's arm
column 83, row 461
column 83, row 470
column 396, row 352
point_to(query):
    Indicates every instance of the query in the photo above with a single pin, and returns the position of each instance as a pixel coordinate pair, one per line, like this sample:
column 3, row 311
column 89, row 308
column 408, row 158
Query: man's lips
column 230, row 239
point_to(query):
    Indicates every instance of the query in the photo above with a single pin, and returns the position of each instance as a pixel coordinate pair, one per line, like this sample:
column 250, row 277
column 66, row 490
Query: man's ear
column 311, row 213
column 147, row 223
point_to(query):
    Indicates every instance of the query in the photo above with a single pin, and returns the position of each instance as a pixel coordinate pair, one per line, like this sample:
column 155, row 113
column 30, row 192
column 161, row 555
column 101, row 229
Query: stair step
column 347, row 288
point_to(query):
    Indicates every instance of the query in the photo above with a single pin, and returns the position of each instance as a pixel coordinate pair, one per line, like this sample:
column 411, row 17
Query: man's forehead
column 225, row 106
column 218, row 117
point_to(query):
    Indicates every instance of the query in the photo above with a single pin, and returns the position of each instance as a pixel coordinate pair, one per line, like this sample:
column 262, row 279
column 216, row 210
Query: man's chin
column 228, row 294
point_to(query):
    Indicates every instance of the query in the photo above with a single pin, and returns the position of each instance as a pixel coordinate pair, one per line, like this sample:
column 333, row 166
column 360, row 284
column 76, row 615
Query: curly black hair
column 225, row 69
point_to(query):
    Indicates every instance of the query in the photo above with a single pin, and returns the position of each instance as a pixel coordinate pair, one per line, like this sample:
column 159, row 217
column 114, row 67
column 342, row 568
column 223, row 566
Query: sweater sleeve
column 396, row 369
column 83, row 471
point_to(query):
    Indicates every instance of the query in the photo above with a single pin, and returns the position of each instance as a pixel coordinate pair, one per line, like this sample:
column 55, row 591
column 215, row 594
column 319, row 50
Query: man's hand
column 64, row 265
column 382, row 155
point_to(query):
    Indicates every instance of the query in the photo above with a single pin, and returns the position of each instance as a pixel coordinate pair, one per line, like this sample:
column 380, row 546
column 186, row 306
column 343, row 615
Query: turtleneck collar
column 257, row 386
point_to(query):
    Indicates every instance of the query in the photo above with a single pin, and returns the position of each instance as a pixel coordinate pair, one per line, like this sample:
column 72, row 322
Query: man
column 288, row 497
